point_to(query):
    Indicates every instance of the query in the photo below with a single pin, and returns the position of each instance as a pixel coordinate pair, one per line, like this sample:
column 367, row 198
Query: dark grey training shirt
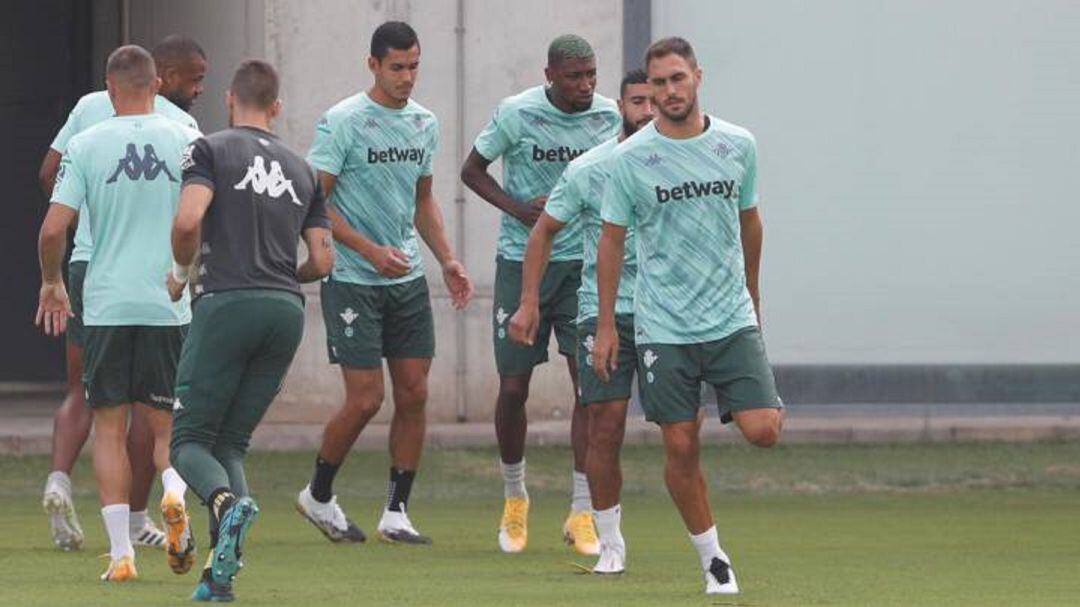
column 265, row 195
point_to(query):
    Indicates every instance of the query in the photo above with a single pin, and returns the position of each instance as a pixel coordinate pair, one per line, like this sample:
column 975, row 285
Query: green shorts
column 76, row 332
column 736, row 366
column 558, row 311
column 592, row 389
column 233, row 363
column 366, row 323
column 131, row 364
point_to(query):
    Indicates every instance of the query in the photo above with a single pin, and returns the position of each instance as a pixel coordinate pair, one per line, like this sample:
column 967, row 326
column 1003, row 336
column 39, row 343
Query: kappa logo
column 371, row 123
column 590, row 343
column 187, row 159
column 272, row 183
column 147, row 167
column 653, row 160
column 722, row 149
column 538, row 121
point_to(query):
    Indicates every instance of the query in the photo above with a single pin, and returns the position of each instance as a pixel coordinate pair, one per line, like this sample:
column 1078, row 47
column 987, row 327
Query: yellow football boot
column 514, row 527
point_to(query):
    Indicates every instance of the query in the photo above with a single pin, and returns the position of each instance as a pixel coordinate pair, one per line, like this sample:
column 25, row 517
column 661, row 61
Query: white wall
column 918, row 171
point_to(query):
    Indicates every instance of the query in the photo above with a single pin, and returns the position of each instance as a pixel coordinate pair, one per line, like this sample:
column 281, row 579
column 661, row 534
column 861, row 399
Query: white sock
column 580, row 500
column 607, row 526
column 60, row 478
column 514, row 479
column 707, row 544
column 116, row 524
column 172, row 483
column 136, row 521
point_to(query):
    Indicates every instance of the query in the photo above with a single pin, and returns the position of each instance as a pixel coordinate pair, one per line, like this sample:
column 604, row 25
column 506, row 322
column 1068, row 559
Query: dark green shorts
column 366, row 323
column 592, row 389
column 234, row 361
column 736, row 366
column 76, row 333
column 135, row 364
column 558, row 311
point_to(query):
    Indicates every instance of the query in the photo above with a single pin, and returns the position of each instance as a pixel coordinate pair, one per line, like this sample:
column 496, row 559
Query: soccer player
column 246, row 201
column 578, row 194
column 374, row 153
column 181, row 66
column 537, row 133
column 687, row 184
column 123, row 174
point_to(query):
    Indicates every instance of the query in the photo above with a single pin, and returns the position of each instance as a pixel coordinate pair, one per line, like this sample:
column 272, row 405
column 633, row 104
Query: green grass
column 978, row 524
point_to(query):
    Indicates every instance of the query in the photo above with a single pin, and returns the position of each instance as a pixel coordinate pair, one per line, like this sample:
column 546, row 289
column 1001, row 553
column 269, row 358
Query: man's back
column 124, row 173
column 265, row 195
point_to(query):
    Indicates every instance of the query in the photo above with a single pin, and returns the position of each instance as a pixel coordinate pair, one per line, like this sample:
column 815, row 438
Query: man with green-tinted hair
column 181, row 66
column 687, row 183
column 537, row 133
column 124, row 175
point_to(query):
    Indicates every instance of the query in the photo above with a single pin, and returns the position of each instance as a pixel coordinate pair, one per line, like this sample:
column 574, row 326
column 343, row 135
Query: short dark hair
column 131, row 67
column 669, row 46
column 396, row 35
column 637, row 76
column 568, row 46
column 255, row 84
column 175, row 50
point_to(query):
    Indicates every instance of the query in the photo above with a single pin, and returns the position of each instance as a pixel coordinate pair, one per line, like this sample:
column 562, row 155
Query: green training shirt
column 684, row 197
column 578, row 196
column 536, row 140
column 91, row 109
column 124, row 175
column 377, row 154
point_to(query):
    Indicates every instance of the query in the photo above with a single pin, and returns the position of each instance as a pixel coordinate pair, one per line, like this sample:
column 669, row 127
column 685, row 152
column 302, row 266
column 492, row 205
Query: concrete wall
column 321, row 49
column 917, row 172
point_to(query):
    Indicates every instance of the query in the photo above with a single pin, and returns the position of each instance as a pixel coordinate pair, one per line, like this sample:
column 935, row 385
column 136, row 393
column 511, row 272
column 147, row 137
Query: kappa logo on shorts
column 649, row 358
column 589, row 344
column 349, row 315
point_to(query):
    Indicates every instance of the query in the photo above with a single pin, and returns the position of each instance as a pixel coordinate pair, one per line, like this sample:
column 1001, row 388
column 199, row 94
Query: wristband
column 179, row 272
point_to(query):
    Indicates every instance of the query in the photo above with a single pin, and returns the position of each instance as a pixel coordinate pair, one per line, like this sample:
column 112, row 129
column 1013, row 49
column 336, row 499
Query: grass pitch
column 978, row 524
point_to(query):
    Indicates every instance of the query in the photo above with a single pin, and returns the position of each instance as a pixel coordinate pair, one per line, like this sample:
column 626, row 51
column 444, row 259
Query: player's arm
column 474, row 173
column 50, row 164
column 526, row 320
column 609, row 262
column 195, row 200
column 752, row 234
column 388, row 261
column 429, row 223
column 320, row 259
column 53, row 306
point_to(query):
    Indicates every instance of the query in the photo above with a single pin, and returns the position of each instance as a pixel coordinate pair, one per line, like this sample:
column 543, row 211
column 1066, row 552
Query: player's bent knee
column 513, row 391
column 765, row 432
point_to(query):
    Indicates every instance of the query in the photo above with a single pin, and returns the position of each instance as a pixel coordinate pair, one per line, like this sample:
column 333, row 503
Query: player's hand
column 54, row 308
column 175, row 287
column 529, row 212
column 605, row 352
column 524, row 324
column 390, row 262
column 458, row 283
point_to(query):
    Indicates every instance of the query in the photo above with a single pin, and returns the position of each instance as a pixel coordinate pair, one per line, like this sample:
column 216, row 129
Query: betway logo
column 559, row 154
column 272, row 183
column 396, row 155
column 698, row 189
